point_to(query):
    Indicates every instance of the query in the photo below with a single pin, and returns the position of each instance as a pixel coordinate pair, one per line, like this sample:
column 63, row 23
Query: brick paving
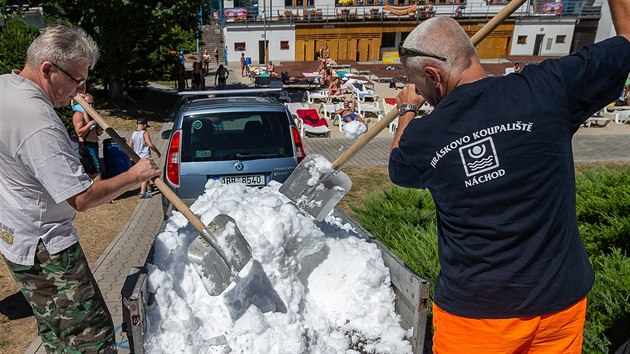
column 130, row 248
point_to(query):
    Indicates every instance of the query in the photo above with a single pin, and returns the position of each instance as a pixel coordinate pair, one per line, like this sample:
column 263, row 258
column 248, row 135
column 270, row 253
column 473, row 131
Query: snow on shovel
column 317, row 187
column 220, row 251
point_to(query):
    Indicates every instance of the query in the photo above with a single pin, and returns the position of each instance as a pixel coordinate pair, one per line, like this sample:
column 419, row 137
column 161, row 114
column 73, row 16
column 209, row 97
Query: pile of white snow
column 311, row 287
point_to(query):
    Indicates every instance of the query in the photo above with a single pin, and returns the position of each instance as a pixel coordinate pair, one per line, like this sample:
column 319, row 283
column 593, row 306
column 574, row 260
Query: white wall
column 605, row 27
column 550, row 30
column 252, row 33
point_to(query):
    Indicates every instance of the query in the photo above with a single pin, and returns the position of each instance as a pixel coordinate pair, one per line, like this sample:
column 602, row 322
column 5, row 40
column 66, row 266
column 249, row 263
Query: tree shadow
column 132, row 193
column 15, row 307
column 141, row 102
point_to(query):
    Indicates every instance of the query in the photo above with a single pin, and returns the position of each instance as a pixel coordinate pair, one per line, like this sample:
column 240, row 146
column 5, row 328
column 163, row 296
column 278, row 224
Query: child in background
column 140, row 142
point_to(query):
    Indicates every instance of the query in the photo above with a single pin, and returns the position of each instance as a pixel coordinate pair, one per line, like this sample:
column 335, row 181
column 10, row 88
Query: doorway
column 538, row 43
column 261, row 51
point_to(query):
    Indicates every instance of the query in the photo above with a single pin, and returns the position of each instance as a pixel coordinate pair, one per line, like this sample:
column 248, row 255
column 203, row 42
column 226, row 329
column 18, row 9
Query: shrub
column 404, row 221
column 603, row 209
column 608, row 313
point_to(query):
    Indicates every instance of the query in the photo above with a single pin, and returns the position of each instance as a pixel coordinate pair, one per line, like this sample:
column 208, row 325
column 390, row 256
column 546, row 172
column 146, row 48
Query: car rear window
column 236, row 136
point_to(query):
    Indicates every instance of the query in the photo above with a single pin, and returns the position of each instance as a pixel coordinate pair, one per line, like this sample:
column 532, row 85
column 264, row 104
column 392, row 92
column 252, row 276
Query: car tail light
column 299, row 148
column 172, row 160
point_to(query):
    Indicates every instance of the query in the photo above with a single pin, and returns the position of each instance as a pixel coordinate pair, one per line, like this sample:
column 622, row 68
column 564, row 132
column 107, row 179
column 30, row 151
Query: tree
column 15, row 37
column 128, row 33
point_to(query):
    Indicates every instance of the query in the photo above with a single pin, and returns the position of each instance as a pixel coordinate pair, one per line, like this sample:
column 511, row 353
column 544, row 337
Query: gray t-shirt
column 40, row 171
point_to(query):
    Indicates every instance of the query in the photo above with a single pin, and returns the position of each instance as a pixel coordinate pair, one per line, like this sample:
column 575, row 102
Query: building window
column 284, row 45
column 299, row 3
column 561, row 39
column 521, row 40
column 239, row 46
column 388, row 40
column 549, row 43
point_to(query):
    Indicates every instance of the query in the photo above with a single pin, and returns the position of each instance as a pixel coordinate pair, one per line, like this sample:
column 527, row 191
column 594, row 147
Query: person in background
column 42, row 186
column 87, row 132
column 180, row 77
column 348, row 112
column 324, row 51
column 335, row 87
column 206, row 62
column 243, row 65
column 271, row 70
column 197, row 77
column 221, row 76
column 216, row 54
column 140, row 142
column 497, row 157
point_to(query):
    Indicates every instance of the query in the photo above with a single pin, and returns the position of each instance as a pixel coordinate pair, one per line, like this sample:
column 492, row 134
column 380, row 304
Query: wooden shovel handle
column 166, row 191
column 393, row 114
column 365, row 138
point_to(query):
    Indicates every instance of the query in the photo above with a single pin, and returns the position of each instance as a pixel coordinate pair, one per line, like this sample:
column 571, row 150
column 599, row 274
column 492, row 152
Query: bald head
column 444, row 37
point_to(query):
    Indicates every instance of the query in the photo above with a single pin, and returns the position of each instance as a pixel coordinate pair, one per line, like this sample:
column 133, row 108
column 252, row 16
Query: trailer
column 411, row 303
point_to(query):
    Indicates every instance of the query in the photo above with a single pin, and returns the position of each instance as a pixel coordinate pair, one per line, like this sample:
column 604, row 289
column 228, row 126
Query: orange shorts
column 559, row 332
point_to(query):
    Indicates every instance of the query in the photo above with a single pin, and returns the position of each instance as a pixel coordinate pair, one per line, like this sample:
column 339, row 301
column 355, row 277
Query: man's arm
column 408, row 95
column 102, row 191
column 620, row 11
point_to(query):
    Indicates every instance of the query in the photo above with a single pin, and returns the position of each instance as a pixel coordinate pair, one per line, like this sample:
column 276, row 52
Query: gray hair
column 62, row 45
column 442, row 36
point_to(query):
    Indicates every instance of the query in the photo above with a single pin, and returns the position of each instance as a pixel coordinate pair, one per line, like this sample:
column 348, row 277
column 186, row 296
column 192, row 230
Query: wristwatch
column 407, row 108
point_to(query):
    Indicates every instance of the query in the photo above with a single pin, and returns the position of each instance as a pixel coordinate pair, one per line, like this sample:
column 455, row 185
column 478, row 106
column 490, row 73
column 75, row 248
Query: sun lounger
column 311, row 124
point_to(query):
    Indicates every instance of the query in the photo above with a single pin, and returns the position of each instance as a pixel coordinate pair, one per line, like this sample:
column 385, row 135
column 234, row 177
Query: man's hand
column 102, row 191
column 145, row 169
column 408, row 95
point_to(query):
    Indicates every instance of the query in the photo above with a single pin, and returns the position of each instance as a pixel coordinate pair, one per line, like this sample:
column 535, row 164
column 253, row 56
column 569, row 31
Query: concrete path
column 130, row 248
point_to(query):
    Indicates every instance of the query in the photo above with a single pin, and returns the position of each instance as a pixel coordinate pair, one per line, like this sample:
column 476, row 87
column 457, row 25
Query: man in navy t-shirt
column 496, row 155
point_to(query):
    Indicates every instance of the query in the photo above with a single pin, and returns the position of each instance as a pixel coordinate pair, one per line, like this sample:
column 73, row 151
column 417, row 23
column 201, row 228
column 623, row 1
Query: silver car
column 249, row 140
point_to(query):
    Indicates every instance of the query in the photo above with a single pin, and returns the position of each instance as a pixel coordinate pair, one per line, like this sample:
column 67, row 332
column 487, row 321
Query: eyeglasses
column 408, row 52
column 76, row 81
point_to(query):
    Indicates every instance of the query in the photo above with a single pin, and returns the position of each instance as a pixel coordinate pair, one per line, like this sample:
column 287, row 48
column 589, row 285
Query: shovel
column 316, row 188
column 220, row 251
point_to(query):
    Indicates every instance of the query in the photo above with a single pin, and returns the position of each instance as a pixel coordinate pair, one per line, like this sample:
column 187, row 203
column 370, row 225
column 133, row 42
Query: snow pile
column 354, row 129
column 311, row 287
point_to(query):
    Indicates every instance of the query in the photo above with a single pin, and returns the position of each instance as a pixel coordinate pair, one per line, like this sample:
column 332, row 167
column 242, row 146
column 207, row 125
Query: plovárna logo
column 478, row 153
column 6, row 234
column 480, row 162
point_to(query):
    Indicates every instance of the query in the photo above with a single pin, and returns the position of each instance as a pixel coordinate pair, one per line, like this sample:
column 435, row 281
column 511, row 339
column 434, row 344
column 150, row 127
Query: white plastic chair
column 386, row 109
column 622, row 116
column 370, row 107
column 321, row 95
column 294, row 106
column 310, row 130
column 362, row 93
column 329, row 109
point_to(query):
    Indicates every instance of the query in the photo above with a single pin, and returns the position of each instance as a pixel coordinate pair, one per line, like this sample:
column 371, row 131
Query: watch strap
column 405, row 108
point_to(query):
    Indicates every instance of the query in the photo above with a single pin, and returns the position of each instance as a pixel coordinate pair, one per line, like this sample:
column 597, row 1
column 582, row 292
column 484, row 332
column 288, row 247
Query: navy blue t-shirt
column 496, row 155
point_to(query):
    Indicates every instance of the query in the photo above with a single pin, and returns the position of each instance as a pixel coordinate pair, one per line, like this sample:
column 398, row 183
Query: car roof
column 228, row 104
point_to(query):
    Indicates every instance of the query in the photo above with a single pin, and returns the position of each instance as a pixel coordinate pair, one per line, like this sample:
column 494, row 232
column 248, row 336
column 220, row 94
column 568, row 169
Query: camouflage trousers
column 71, row 314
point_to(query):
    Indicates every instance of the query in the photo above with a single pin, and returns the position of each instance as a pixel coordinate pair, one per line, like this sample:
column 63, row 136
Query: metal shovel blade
column 316, row 194
column 219, row 253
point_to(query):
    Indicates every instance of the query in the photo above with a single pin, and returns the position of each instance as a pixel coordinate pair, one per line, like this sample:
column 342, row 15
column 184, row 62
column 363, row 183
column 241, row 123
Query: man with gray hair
column 496, row 155
column 42, row 185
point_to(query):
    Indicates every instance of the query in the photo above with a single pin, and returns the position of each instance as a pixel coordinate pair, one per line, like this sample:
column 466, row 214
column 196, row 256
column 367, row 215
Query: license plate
column 256, row 180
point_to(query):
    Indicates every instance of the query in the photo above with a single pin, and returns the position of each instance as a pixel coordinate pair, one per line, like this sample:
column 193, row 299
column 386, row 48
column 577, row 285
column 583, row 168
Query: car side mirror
column 167, row 134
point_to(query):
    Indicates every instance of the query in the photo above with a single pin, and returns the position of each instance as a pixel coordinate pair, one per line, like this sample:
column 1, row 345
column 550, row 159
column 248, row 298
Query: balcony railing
column 411, row 12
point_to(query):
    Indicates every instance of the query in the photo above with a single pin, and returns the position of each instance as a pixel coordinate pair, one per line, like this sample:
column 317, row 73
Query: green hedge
column 404, row 221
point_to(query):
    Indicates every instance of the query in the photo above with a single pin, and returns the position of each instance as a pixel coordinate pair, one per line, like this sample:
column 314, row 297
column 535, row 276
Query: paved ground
column 130, row 248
